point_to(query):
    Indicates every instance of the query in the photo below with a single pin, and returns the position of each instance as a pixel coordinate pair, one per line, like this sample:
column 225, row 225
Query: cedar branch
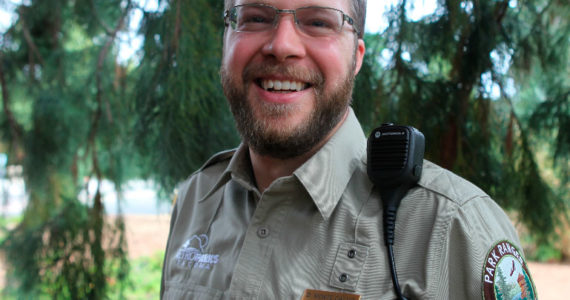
column 99, row 91
column 28, row 37
column 15, row 127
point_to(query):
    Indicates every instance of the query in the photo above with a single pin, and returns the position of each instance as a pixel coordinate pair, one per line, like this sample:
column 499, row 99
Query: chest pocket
column 348, row 266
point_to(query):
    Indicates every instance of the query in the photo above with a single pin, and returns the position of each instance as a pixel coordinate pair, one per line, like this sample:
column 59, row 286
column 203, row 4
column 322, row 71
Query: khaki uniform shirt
column 321, row 228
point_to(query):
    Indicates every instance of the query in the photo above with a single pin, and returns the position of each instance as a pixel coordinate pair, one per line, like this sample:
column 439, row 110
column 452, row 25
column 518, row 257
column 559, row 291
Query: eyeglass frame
column 345, row 17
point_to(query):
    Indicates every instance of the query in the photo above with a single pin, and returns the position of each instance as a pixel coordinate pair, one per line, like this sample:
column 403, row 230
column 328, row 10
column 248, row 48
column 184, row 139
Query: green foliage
column 6, row 224
column 64, row 122
column 63, row 256
column 143, row 281
column 182, row 114
column 72, row 113
column 440, row 79
column 541, row 250
column 547, row 253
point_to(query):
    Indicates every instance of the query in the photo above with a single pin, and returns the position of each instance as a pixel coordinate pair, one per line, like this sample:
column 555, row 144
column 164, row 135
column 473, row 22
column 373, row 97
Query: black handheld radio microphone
column 395, row 159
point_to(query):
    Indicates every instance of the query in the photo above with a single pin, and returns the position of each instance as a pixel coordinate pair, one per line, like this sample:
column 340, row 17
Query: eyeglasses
column 312, row 20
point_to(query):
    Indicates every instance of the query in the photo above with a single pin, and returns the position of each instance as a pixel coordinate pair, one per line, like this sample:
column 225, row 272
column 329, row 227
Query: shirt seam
column 445, row 233
column 432, row 290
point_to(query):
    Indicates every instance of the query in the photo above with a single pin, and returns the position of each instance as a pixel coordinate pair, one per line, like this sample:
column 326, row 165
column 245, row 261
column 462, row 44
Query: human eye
column 315, row 22
column 319, row 20
column 251, row 18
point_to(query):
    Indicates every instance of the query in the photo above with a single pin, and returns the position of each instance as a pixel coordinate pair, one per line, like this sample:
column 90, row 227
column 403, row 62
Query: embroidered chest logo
column 505, row 274
column 189, row 256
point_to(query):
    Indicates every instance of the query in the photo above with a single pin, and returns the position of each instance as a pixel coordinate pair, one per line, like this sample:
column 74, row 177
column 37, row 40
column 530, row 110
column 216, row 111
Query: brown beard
column 284, row 143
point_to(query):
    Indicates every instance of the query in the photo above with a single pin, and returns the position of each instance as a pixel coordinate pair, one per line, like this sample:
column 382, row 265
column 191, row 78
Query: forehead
column 291, row 4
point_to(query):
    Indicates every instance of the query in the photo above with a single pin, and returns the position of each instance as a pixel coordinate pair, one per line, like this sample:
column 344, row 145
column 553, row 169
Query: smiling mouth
column 282, row 85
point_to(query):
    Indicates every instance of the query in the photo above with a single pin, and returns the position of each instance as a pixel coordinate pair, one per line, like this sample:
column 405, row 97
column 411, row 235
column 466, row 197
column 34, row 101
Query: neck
column 267, row 169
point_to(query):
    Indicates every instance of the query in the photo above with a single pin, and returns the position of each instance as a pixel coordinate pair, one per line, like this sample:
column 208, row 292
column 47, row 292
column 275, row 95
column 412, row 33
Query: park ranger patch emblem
column 505, row 274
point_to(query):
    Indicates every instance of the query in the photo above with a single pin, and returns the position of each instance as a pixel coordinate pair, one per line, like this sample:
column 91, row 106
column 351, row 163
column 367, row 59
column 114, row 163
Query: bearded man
column 291, row 213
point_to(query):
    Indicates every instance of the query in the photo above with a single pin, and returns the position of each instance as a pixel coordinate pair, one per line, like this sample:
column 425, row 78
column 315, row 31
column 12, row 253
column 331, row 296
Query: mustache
column 253, row 72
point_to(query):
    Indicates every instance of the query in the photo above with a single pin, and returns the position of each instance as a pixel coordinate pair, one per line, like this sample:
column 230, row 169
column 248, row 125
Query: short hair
column 358, row 13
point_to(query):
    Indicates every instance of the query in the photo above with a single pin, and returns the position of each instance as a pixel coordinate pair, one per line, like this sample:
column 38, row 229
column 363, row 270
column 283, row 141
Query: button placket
column 348, row 266
column 263, row 232
column 257, row 249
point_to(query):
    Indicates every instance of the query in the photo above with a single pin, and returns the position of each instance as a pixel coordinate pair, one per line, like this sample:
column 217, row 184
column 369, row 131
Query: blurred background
column 108, row 104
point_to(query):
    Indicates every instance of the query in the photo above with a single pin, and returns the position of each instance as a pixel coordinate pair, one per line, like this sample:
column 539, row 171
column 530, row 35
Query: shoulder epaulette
column 448, row 184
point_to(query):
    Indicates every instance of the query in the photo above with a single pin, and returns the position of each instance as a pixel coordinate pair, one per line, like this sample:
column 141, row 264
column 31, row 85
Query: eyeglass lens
column 315, row 21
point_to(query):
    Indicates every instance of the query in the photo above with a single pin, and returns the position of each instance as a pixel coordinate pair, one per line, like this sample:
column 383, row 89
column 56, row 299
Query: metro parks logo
column 506, row 275
column 190, row 257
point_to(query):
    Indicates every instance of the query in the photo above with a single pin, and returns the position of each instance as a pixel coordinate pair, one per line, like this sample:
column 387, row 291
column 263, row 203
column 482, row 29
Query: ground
column 146, row 234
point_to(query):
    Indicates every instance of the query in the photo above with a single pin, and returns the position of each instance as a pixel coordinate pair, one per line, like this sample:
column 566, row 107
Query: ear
column 359, row 55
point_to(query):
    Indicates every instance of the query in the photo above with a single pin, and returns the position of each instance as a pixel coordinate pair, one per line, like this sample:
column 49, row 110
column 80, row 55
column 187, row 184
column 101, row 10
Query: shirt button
column 343, row 277
column 351, row 253
column 263, row 232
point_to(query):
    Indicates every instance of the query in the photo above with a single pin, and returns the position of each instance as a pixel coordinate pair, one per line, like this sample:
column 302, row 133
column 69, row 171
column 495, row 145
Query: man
column 291, row 213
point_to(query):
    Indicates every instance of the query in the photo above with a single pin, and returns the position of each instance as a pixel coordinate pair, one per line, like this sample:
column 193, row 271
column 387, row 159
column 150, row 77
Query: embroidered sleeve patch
column 505, row 274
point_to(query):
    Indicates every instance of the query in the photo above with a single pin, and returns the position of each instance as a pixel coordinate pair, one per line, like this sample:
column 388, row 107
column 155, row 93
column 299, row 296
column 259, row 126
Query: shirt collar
column 326, row 174
column 238, row 169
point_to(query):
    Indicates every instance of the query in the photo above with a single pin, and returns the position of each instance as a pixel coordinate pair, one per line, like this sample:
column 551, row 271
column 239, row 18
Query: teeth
column 279, row 85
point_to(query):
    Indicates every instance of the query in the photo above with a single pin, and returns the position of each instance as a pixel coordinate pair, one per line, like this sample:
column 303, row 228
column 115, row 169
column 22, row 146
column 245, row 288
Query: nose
column 285, row 41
